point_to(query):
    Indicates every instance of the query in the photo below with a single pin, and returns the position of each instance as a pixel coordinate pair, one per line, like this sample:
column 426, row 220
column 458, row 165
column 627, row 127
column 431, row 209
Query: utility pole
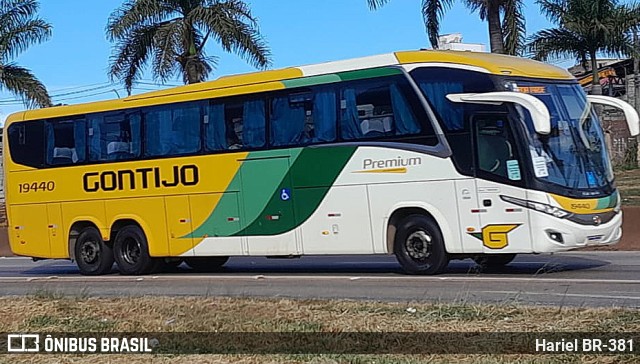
column 636, row 83
column 636, row 69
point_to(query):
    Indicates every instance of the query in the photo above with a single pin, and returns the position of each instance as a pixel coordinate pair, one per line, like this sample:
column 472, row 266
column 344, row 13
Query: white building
column 453, row 42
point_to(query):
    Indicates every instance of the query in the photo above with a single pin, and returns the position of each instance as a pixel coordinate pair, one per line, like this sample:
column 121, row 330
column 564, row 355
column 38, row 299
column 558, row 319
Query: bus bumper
column 554, row 235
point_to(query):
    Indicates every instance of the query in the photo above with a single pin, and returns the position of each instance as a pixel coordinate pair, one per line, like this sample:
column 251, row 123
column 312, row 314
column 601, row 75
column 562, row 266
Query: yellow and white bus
column 428, row 155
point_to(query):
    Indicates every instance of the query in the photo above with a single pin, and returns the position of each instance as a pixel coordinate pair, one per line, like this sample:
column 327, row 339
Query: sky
column 73, row 64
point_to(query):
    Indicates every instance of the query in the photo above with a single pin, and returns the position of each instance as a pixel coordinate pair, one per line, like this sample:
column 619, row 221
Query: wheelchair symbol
column 285, row 194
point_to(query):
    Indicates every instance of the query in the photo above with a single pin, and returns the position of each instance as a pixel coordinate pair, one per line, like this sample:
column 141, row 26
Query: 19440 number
column 37, row 186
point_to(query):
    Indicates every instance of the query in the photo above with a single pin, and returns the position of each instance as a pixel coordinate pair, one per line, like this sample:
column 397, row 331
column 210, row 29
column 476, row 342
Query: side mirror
column 537, row 109
column 633, row 121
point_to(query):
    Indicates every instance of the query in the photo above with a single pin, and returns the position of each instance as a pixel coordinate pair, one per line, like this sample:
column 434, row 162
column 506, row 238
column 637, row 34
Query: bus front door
column 504, row 226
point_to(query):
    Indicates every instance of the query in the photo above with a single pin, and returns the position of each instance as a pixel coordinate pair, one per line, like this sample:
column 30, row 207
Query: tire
column 419, row 246
column 206, row 264
column 92, row 255
column 493, row 261
column 131, row 252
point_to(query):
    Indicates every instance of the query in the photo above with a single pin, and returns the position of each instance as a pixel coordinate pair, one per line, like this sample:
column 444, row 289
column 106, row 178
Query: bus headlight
column 538, row 206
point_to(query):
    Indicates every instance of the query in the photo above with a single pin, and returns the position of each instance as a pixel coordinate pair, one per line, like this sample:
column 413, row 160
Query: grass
column 50, row 312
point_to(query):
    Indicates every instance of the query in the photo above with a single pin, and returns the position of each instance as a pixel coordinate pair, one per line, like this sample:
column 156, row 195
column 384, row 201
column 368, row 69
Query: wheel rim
column 131, row 251
column 418, row 245
column 90, row 252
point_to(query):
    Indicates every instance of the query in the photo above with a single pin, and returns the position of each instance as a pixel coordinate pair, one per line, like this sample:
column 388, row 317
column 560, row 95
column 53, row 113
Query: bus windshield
column 573, row 154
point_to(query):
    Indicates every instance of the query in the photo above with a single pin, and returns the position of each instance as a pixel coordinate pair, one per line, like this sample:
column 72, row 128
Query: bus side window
column 289, row 116
column 172, row 130
column 26, row 143
column 252, row 126
column 66, row 141
column 215, row 128
column 377, row 108
column 303, row 117
column 114, row 137
column 324, row 115
column 233, row 125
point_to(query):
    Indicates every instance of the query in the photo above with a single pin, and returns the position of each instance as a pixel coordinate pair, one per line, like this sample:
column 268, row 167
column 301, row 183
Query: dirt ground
column 4, row 243
column 630, row 230
column 630, row 233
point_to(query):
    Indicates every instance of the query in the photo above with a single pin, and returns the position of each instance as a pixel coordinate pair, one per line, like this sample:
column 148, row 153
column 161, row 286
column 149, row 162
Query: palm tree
column 584, row 29
column 173, row 33
column 19, row 29
column 506, row 35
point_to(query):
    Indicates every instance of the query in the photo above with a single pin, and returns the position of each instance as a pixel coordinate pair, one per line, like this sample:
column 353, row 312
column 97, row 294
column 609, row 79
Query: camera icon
column 23, row 343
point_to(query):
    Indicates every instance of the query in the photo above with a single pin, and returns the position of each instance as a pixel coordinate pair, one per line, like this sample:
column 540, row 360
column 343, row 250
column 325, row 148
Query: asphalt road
column 598, row 279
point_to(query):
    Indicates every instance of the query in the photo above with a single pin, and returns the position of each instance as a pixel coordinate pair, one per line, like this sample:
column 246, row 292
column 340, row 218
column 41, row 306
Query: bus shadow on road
column 526, row 265
column 529, row 265
column 521, row 266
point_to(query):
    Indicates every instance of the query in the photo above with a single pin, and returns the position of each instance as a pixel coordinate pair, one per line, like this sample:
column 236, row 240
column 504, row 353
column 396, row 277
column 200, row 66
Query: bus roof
column 305, row 76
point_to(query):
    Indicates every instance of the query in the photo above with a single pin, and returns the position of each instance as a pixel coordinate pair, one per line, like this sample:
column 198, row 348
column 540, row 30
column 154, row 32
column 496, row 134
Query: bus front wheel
column 92, row 255
column 206, row 264
column 419, row 246
column 131, row 252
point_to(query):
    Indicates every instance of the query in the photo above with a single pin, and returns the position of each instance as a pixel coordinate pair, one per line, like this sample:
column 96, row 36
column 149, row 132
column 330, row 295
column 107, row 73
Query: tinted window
column 114, row 136
column 303, row 117
column 26, row 143
column 66, row 141
column 235, row 125
column 496, row 150
column 436, row 82
column 172, row 130
column 379, row 108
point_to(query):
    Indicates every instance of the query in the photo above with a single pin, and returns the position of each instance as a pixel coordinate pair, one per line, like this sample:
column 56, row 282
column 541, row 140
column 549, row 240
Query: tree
column 173, row 33
column 585, row 28
column 505, row 19
column 19, row 29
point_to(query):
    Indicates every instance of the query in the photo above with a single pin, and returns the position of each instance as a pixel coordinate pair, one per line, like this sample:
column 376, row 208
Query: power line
column 83, row 86
column 81, row 91
column 99, row 86
column 83, row 96
column 62, row 94
column 153, row 82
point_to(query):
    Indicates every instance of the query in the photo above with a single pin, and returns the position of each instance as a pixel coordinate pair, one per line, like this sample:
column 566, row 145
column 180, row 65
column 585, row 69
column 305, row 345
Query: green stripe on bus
column 310, row 81
column 312, row 175
column 248, row 193
column 608, row 202
column 369, row 73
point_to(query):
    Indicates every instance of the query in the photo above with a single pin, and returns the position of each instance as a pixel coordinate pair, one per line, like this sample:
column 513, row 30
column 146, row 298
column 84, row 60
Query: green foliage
column 584, row 28
column 171, row 35
column 506, row 36
column 630, row 160
column 19, row 29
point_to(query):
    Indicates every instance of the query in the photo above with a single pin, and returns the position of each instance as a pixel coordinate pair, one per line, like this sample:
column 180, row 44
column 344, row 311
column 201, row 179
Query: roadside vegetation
column 49, row 312
column 171, row 36
column 628, row 183
column 20, row 27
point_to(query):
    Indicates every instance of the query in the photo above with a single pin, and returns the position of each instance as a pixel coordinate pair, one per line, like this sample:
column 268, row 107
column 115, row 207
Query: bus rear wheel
column 419, row 246
column 206, row 264
column 92, row 255
column 131, row 252
column 493, row 261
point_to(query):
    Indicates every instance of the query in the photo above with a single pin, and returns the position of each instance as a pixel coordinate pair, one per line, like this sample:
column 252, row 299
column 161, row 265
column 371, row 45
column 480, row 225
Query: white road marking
column 229, row 277
column 580, row 295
